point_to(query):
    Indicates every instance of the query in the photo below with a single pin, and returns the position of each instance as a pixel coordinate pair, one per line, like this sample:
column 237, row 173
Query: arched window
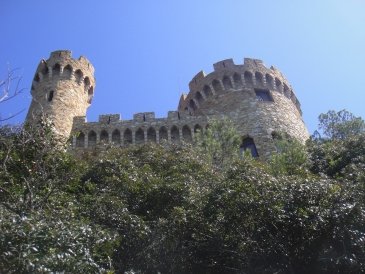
column 139, row 138
column 92, row 138
column 192, row 105
column 269, row 81
column 90, row 94
column 56, row 70
column 287, row 92
column 50, row 96
column 163, row 134
column 278, row 84
column 44, row 70
column 175, row 137
column 207, row 91
column 237, row 80
column 293, row 98
column 186, row 132
column 104, row 136
column 199, row 97
column 36, row 78
column 151, row 135
column 67, row 71
column 127, row 137
column 86, row 83
column 197, row 128
column 217, row 86
column 80, row 140
column 259, row 78
column 249, row 145
column 116, row 137
column 248, row 77
column 227, row 82
column 79, row 75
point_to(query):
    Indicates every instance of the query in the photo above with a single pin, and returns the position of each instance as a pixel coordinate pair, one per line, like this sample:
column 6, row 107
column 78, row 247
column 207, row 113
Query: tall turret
column 258, row 99
column 62, row 89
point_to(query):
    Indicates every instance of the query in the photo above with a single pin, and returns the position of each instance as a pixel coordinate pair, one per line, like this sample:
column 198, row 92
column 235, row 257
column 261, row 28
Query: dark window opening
column 80, row 140
column 186, row 132
column 263, row 95
column 278, row 84
column 217, row 86
column 175, row 135
column 67, row 71
column 192, row 105
column 207, row 91
column 116, row 137
column 78, row 76
column 151, row 135
column 163, row 134
column 127, row 136
column 269, row 81
column 92, row 138
column 259, row 78
column 104, row 136
column 248, row 77
column 227, row 82
column 56, row 70
column 36, row 78
column 139, row 137
column 199, row 97
column 90, row 93
column 249, row 145
column 50, row 96
column 197, row 128
column 45, row 70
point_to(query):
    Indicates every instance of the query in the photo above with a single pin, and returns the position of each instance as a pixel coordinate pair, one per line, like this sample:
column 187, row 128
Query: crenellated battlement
column 256, row 98
column 143, row 128
column 63, row 87
column 61, row 66
column 227, row 77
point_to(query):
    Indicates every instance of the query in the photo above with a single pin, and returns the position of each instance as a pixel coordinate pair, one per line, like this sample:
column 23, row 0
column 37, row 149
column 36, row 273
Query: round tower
column 62, row 89
column 259, row 100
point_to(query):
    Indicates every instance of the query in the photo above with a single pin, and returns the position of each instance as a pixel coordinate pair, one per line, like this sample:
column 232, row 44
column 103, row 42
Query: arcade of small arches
column 66, row 73
column 141, row 135
column 238, row 81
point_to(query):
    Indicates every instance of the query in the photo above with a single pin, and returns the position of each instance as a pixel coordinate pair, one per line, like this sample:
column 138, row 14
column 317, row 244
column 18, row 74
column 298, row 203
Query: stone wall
column 259, row 100
column 142, row 129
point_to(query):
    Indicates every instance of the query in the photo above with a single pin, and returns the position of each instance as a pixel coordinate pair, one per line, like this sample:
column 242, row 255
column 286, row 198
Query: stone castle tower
column 62, row 89
column 259, row 100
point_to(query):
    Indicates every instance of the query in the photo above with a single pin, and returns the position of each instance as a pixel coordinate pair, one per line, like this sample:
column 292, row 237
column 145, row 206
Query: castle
column 259, row 101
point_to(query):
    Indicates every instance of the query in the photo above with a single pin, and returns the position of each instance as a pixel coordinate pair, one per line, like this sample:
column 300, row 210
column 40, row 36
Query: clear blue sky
column 146, row 52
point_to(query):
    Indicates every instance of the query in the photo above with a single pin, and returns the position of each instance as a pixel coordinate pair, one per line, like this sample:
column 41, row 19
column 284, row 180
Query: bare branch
column 8, row 91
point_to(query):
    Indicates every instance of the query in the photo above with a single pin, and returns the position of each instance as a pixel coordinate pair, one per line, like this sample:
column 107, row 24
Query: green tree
column 340, row 125
column 147, row 195
column 39, row 216
column 341, row 152
column 219, row 142
column 291, row 157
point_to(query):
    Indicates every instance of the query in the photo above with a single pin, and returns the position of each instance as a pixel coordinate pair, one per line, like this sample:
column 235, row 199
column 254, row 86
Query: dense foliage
column 150, row 209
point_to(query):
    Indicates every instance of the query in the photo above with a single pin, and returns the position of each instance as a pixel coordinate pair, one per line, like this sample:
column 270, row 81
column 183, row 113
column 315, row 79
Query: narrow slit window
column 50, row 96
